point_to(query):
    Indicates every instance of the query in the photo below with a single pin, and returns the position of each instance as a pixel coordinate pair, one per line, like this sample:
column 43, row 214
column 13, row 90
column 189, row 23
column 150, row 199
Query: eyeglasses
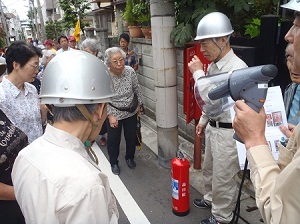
column 35, row 66
column 120, row 60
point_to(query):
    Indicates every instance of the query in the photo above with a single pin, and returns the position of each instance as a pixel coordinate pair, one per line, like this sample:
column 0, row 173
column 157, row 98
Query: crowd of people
column 29, row 120
column 48, row 169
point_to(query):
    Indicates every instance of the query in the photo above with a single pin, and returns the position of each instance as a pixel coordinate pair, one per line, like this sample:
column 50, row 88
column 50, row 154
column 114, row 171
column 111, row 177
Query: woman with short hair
column 18, row 98
column 92, row 45
column 12, row 141
column 131, row 58
column 119, row 113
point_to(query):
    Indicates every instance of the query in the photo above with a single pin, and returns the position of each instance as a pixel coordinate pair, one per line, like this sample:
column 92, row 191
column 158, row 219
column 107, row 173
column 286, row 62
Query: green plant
column 128, row 15
column 142, row 12
column 72, row 11
column 252, row 28
column 2, row 38
column 30, row 15
column 188, row 13
column 53, row 29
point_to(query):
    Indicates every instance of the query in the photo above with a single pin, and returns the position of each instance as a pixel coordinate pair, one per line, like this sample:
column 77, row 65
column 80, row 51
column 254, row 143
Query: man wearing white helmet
column 276, row 184
column 221, row 160
column 56, row 178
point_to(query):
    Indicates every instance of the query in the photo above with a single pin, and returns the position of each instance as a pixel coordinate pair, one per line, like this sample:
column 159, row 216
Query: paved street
column 144, row 194
column 149, row 185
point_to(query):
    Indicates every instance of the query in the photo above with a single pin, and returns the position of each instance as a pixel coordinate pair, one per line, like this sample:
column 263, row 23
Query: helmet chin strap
column 87, row 115
column 95, row 124
column 220, row 48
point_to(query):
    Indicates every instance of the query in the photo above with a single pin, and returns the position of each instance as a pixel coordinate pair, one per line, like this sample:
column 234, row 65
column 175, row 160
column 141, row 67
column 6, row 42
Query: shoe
column 200, row 203
column 130, row 163
column 103, row 141
column 115, row 169
column 210, row 220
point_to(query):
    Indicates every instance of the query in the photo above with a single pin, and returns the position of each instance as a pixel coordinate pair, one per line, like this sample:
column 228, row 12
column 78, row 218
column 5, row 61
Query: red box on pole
column 190, row 106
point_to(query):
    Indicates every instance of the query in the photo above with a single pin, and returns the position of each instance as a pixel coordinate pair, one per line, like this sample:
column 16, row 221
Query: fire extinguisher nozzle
column 180, row 154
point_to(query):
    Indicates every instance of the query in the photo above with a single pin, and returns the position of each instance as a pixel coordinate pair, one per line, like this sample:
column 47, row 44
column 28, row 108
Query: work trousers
column 114, row 139
column 219, row 168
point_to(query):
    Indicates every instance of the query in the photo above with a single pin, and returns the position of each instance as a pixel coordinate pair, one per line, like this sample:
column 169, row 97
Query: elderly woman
column 18, row 98
column 120, row 115
column 92, row 45
column 15, row 139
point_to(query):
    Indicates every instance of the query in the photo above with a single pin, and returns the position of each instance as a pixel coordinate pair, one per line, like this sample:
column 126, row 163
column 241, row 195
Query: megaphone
column 249, row 84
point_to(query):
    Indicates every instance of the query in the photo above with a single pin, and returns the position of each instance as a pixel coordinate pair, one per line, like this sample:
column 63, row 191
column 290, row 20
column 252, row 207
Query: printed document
column 276, row 116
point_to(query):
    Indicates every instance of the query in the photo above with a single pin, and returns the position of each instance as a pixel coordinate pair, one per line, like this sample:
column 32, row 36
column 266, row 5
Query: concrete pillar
column 165, row 80
column 89, row 32
column 102, row 34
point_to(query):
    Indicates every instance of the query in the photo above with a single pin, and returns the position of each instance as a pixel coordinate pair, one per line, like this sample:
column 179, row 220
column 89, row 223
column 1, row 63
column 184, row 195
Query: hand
column 288, row 131
column 199, row 129
column 113, row 122
column 195, row 64
column 141, row 110
column 130, row 54
column 249, row 125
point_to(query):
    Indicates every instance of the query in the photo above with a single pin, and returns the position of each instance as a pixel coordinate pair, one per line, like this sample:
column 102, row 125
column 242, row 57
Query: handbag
column 134, row 103
column 132, row 106
column 12, row 141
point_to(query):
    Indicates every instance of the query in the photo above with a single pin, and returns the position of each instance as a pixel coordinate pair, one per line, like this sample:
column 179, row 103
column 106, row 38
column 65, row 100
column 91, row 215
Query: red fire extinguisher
column 180, row 185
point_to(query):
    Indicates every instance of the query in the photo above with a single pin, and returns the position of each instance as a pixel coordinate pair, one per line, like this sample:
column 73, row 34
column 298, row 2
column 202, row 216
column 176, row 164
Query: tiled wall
column 146, row 80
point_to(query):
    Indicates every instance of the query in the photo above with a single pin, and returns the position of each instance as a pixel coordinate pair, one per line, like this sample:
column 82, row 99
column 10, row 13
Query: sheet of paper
column 276, row 116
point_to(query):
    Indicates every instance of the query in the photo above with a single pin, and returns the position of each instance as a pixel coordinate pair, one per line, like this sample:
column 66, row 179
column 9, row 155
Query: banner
column 76, row 33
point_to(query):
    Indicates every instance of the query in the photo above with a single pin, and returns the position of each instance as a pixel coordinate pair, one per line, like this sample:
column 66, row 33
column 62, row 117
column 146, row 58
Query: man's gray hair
column 71, row 114
column 111, row 51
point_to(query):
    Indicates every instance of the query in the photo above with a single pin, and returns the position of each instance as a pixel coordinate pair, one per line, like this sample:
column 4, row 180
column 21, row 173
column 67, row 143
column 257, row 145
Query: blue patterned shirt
column 131, row 58
column 294, row 115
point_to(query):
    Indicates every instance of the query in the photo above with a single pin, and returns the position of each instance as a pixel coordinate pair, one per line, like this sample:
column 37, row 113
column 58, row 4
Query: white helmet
column 76, row 77
column 293, row 5
column 214, row 24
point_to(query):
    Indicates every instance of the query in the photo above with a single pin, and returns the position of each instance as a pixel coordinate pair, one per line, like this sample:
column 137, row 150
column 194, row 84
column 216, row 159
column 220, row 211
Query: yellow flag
column 76, row 33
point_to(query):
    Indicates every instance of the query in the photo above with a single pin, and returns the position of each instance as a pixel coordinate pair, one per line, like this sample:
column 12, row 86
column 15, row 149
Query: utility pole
column 4, row 25
column 36, row 21
column 31, row 7
column 53, row 17
column 41, row 20
column 165, row 80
